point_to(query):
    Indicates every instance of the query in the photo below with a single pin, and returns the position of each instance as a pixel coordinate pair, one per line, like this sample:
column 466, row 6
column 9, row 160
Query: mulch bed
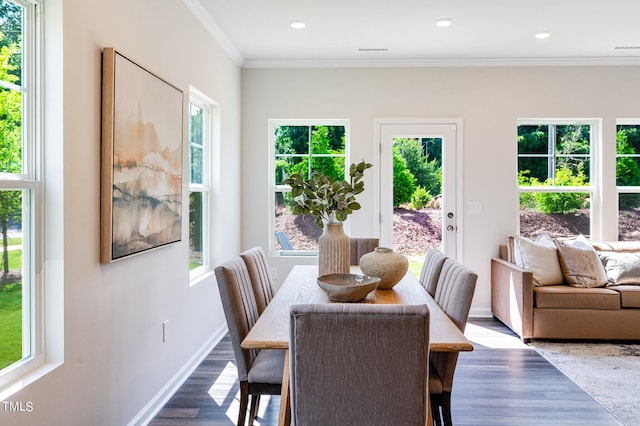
column 415, row 231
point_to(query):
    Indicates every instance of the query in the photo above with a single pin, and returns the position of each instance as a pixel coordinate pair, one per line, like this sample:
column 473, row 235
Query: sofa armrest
column 512, row 296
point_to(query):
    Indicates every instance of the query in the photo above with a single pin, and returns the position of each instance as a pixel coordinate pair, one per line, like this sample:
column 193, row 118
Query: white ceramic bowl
column 347, row 287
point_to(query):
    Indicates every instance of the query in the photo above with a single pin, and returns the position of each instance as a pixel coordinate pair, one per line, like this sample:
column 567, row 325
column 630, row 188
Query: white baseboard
column 480, row 313
column 154, row 406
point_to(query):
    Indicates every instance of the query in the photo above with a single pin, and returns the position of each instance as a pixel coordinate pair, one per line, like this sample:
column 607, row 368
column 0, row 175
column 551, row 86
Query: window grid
column 280, row 192
column 22, row 178
column 569, row 175
column 200, row 140
column 628, row 176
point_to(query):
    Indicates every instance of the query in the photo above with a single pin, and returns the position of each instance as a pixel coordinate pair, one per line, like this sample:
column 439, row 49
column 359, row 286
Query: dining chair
column 431, row 269
column 361, row 246
column 454, row 293
column 359, row 364
column 259, row 372
column 259, row 275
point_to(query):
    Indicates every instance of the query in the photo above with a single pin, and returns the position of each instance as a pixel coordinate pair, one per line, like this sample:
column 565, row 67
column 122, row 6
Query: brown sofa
column 562, row 311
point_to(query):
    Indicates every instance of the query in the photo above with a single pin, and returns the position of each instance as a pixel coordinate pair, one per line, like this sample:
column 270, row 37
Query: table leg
column 284, row 418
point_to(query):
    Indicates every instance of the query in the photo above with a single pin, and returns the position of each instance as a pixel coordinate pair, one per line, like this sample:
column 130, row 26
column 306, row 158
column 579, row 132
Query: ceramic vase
column 385, row 264
column 333, row 250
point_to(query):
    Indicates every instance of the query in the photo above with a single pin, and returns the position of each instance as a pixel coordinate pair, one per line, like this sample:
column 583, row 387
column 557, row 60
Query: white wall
column 488, row 99
column 114, row 360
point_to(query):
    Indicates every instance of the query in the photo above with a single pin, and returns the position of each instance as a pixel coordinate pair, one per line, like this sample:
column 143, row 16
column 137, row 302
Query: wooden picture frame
column 141, row 165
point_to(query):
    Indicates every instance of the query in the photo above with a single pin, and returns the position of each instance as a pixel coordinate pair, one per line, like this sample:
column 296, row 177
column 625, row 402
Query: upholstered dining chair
column 454, row 293
column 259, row 372
column 359, row 364
column 260, row 276
column 361, row 246
column 431, row 268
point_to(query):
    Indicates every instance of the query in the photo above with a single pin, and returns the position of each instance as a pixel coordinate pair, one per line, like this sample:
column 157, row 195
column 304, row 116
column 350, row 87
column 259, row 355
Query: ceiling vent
column 373, row 49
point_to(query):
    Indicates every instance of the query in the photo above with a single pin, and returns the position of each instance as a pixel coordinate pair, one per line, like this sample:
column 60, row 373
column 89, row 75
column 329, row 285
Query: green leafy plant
column 420, row 198
column 404, row 183
column 326, row 198
column 555, row 202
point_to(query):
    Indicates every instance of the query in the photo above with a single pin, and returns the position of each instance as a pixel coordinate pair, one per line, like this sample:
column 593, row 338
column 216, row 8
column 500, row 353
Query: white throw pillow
column 621, row 268
column 541, row 258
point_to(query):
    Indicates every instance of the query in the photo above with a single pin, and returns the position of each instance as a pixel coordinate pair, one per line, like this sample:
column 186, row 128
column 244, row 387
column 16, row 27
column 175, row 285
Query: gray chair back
column 454, row 293
column 260, row 276
column 359, row 364
column 361, row 246
column 431, row 269
column 240, row 309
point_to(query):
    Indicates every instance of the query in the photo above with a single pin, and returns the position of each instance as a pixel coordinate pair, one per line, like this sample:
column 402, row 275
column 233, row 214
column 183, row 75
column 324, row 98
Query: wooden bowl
column 347, row 287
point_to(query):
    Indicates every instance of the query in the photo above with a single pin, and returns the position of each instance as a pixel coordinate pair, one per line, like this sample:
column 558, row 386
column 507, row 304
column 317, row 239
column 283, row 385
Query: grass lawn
column 10, row 324
column 415, row 264
column 11, row 312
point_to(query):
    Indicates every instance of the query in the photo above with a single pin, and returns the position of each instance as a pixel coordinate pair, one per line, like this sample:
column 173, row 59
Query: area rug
column 609, row 372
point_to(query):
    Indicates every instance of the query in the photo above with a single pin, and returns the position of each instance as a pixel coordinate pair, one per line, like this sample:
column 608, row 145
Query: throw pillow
column 581, row 265
column 621, row 268
column 541, row 259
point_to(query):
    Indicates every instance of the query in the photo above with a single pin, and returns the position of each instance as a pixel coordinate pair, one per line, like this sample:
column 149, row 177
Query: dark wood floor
column 502, row 382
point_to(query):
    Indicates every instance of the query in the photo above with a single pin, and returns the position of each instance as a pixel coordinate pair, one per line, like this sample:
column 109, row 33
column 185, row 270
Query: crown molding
column 214, row 29
column 406, row 63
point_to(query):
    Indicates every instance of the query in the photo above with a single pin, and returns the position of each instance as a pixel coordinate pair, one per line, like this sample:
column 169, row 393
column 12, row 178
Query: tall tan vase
column 333, row 250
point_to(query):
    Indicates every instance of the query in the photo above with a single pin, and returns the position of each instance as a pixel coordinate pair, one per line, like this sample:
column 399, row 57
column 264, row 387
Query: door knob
column 451, row 228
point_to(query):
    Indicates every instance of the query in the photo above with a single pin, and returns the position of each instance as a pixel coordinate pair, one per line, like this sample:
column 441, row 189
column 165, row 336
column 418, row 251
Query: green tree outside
column 10, row 139
column 404, row 183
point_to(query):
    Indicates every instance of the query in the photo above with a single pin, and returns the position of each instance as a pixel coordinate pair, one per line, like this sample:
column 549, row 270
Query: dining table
column 271, row 330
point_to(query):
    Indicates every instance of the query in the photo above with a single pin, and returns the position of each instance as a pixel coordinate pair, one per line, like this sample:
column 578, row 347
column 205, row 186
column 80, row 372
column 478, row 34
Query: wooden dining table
column 271, row 331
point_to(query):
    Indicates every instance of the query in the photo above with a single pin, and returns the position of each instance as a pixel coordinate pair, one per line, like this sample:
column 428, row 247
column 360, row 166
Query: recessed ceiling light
column 298, row 25
column 544, row 34
column 444, row 22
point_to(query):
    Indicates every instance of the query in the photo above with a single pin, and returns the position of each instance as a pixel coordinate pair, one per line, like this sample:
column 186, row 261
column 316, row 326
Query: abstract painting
column 141, row 194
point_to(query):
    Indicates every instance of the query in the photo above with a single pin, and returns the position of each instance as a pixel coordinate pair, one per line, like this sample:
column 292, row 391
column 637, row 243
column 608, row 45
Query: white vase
column 385, row 264
column 333, row 250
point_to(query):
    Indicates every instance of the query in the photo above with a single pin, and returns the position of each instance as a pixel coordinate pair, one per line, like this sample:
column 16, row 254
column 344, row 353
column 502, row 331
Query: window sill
column 25, row 377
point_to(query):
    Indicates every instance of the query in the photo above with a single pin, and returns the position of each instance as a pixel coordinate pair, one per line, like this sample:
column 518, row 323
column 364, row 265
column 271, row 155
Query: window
column 555, row 169
column 628, row 178
column 201, row 123
column 302, row 146
column 20, row 191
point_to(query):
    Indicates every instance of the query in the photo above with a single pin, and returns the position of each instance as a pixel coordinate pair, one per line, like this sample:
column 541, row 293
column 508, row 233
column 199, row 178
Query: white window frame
column 30, row 182
column 273, row 188
column 595, row 169
column 624, row 189
column 210, row 135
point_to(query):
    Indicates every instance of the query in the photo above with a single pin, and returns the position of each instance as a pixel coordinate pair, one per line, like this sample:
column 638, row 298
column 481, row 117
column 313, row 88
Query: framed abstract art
column 141, row 176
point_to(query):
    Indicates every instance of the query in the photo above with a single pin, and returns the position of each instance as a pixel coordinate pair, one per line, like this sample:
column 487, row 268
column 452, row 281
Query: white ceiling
column 258, row 32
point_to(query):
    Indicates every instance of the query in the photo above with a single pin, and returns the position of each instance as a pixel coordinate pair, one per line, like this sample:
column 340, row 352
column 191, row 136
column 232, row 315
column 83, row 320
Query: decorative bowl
column 347, row 287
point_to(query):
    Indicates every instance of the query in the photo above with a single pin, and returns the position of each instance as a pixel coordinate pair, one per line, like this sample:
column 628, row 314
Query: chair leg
column 244, row 401
column 446, row 408
column 253, row 411
column 436, row 401
column 435, row 414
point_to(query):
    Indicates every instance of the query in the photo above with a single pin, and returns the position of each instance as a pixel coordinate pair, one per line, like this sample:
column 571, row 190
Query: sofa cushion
column 580, row 264
column 567, row 297
column 629, row 295
column 619, row 246
column 621, row 267
column 541, row 258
